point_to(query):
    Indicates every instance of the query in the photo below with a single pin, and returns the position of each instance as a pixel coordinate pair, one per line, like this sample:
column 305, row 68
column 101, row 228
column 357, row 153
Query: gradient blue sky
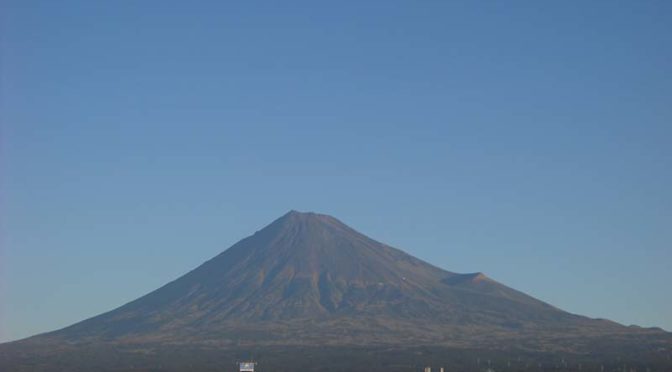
column 529, row 140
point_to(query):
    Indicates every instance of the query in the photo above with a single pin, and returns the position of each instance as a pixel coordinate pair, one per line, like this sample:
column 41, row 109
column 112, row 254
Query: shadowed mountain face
column 309, row 280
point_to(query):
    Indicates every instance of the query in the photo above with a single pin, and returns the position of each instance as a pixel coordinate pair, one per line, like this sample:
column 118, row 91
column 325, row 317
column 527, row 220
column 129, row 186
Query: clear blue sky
column 528, row 140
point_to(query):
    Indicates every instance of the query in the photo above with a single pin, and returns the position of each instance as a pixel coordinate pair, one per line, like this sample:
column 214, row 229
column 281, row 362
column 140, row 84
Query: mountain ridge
column 306, row 265
column 309, row 280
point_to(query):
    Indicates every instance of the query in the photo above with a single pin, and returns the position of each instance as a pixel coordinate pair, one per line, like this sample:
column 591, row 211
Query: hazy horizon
column 528, row 141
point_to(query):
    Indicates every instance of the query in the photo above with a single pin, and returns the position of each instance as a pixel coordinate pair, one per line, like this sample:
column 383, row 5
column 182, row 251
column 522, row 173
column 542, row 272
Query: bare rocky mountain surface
column 308, row 281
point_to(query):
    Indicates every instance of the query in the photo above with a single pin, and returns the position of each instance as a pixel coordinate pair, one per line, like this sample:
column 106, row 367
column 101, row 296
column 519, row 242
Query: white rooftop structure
column 246, row 366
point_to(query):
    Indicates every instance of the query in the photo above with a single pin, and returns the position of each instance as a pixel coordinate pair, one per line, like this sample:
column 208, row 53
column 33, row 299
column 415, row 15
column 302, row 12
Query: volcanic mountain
column 309, row 276
column 308, row 279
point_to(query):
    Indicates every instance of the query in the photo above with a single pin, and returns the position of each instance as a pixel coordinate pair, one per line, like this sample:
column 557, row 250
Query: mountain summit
column 308, row 279
column 308, row 276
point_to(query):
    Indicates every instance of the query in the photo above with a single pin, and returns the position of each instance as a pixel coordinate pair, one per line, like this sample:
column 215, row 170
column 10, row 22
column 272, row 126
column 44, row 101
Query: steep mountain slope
column 309, row 278
column 308, row 292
